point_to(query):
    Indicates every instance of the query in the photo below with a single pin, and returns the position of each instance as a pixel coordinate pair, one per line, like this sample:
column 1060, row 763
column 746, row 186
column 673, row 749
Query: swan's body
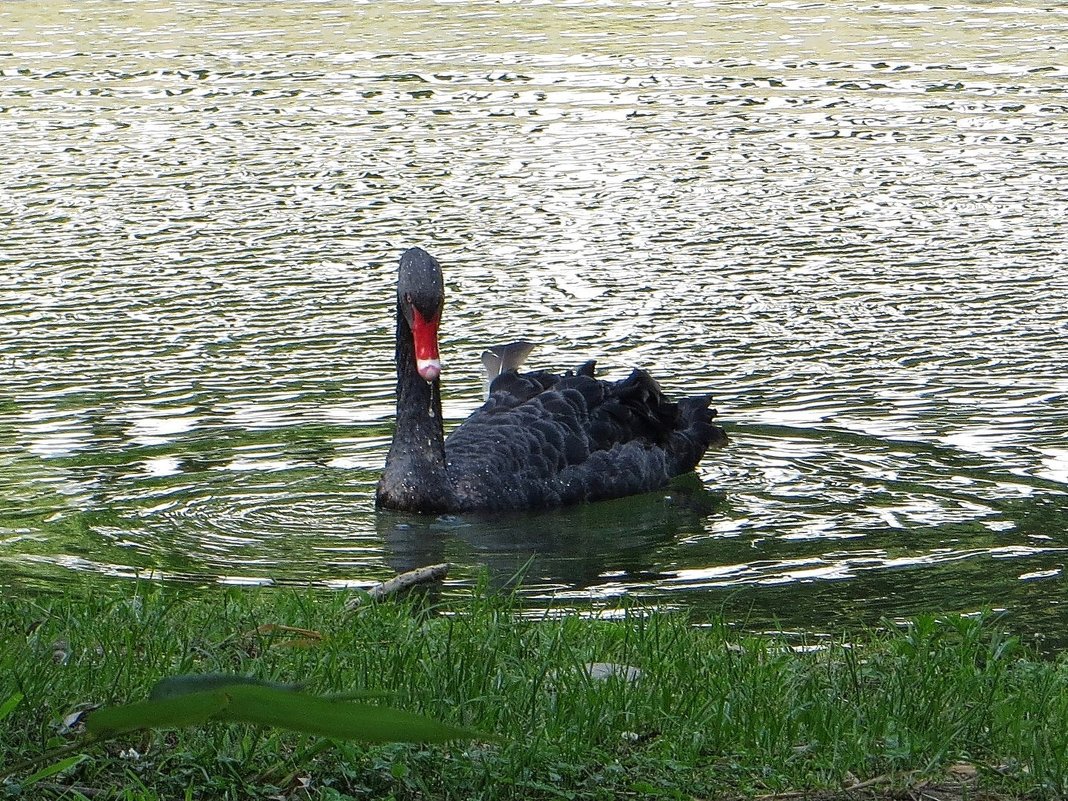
column 541, row 440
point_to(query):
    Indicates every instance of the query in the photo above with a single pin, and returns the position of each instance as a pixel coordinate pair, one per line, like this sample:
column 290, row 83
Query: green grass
column 714, row 713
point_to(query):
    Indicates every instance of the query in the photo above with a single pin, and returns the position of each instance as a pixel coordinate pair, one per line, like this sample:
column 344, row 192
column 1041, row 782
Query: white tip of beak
column 429, row 369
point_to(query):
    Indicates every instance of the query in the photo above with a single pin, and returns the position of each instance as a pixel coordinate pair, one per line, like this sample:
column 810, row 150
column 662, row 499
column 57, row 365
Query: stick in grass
column 404, row 581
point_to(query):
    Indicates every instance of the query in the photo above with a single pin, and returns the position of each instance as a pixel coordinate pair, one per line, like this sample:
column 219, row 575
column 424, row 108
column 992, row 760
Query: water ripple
column 845, row 221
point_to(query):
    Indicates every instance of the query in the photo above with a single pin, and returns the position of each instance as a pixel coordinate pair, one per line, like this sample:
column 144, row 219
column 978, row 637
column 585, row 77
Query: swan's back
column 544, row 440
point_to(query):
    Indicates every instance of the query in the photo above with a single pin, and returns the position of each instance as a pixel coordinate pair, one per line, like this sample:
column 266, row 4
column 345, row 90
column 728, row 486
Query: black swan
column 540, row 440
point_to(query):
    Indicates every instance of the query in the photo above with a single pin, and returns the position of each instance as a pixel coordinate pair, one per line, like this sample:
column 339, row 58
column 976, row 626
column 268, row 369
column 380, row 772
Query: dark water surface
column 845, row 220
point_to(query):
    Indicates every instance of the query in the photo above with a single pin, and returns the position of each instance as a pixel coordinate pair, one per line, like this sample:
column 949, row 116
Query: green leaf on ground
column 273, row 705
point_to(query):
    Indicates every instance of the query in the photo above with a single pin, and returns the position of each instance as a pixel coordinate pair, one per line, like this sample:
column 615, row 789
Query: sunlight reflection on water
column 847, row 226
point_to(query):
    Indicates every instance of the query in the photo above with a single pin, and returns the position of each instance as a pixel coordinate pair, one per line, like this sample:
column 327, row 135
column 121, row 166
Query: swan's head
column 420, row 297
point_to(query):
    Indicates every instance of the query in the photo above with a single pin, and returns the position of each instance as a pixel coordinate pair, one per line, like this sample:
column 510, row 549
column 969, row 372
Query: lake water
column 846, row 220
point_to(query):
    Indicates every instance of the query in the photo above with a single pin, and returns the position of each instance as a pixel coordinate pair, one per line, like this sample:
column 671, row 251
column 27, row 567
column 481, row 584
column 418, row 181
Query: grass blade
column 52, row 770
column 9, row 705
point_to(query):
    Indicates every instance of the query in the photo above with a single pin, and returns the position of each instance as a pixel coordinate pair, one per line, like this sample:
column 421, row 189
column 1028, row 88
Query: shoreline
column 691, row 709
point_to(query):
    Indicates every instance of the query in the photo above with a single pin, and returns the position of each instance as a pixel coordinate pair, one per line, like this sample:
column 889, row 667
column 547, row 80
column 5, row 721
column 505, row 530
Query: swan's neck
column 415, row 477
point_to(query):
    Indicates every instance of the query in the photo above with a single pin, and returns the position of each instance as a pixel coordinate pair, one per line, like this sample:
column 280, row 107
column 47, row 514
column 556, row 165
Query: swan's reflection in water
column 593, row 547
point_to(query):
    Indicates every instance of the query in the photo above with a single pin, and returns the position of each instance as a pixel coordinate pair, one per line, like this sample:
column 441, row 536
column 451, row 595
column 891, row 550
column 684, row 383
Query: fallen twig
column 403, row 581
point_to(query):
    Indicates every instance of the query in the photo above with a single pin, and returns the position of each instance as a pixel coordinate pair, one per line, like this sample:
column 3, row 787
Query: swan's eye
column 408, row 298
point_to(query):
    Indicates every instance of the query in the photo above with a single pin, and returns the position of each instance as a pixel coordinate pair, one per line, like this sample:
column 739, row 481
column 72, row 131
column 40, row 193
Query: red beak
column 425, row 334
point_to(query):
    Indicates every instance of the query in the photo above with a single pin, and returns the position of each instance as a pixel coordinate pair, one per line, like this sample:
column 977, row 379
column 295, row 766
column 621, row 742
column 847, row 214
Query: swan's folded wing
column 545, row 440
column 512, row 389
